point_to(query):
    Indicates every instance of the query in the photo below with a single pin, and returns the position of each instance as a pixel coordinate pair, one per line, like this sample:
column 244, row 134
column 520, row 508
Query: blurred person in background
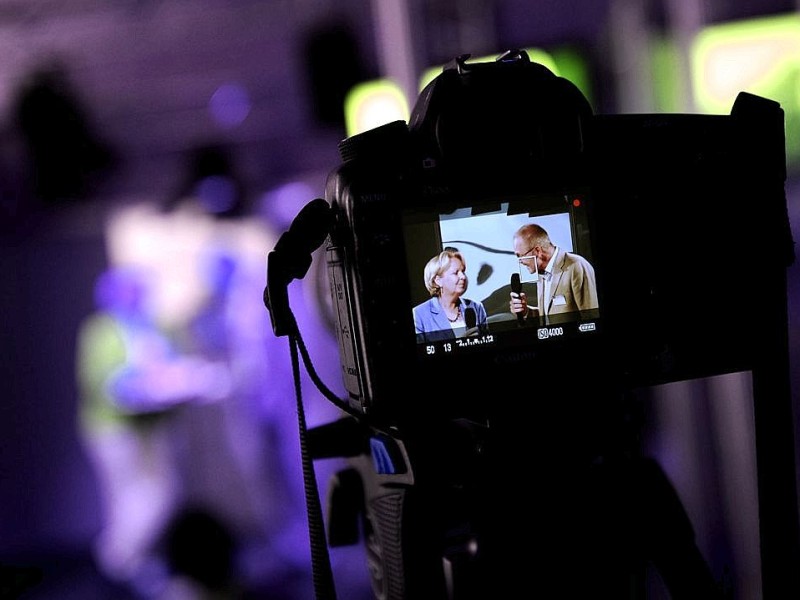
column 228, row 468
column 131, row 381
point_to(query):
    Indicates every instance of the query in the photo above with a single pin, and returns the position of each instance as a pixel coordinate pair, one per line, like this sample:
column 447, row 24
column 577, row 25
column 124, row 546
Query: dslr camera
column 498, row 456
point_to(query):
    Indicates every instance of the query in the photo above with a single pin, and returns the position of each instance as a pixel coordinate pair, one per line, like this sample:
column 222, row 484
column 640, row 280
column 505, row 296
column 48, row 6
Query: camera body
column 481, row 138
column 683, row 219
column 665, row 207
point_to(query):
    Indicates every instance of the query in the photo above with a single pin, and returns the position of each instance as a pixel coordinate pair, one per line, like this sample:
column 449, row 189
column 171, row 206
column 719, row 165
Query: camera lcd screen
column 465, row 261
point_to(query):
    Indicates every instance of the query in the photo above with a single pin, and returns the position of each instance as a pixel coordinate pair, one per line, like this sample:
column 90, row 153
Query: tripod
column 465, row 511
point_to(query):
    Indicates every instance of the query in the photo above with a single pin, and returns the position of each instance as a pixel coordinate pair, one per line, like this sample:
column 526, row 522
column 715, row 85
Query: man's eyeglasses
column 525, row 256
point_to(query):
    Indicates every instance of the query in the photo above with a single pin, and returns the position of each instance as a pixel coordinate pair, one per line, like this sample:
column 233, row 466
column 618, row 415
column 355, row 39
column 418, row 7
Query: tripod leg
column 670, row 539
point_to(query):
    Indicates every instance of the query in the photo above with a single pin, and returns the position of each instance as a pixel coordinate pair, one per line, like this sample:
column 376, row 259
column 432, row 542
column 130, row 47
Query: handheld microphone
column 516, row 287
column 471, row 321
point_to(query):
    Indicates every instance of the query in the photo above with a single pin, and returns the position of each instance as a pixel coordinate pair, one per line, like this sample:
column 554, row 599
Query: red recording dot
column 576, row 202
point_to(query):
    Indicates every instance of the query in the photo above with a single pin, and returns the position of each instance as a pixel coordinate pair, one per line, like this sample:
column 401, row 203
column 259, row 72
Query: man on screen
column 566, row 281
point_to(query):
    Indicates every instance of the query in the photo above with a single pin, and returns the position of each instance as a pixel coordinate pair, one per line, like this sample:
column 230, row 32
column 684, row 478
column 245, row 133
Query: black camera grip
column 383, row 534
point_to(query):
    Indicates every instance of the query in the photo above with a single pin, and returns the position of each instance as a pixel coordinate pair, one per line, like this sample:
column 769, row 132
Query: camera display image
column 501, row 272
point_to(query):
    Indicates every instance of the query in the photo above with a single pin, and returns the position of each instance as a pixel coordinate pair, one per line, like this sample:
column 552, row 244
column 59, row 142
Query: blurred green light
column 374, row 103
column 747, row 55
column 760, row 56
column 669, row 88
column 570, row 63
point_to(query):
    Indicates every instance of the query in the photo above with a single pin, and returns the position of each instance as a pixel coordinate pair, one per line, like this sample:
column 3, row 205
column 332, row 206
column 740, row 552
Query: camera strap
column 322, row 573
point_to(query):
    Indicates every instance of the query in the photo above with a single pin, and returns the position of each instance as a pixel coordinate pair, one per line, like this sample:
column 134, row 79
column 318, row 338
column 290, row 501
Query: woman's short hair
column 437, row 266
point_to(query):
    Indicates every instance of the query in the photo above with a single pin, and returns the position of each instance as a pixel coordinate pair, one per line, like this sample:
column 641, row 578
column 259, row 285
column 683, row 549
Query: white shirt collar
column 548, row 272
